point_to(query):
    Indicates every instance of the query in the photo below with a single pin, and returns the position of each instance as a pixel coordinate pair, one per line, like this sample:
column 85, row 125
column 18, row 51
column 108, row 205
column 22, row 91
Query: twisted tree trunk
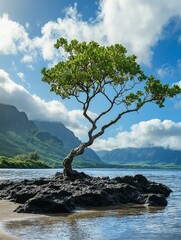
column 67, row 162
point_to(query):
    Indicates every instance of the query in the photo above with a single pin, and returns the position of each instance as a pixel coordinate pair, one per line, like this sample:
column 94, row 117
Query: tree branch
column 112, row 122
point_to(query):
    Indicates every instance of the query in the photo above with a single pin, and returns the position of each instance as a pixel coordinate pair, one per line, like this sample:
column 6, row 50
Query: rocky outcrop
column 59, row 194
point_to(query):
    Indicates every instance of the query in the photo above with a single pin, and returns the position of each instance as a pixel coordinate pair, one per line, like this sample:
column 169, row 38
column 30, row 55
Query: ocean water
column 131, row 222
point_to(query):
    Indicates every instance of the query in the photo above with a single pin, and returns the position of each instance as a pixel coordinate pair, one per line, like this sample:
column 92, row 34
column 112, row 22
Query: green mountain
column 68, row 138
column 18, row 135
column 140, row 156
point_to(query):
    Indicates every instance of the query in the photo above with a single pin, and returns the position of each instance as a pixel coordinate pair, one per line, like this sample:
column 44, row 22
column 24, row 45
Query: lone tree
column 91, row 70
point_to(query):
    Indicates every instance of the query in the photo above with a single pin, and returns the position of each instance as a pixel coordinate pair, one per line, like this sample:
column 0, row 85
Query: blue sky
column 149, row 29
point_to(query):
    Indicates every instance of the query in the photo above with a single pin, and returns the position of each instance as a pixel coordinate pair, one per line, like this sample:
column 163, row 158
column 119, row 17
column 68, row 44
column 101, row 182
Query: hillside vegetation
column 29, row 160
column 19, row 135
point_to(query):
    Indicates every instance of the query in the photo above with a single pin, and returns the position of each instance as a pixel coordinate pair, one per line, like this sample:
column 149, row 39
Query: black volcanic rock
column 63, row 194
column 155, row 200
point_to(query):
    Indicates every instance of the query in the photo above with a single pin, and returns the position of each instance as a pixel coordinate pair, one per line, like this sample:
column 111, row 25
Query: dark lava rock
column 55, row 202
column 24, row 194
column 5, row 184
column 141, row 179
column 156, row 200
column 159, row 188
column 59, row 194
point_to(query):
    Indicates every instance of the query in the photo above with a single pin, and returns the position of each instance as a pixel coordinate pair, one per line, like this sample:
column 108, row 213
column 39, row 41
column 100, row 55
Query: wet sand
column 7, row 214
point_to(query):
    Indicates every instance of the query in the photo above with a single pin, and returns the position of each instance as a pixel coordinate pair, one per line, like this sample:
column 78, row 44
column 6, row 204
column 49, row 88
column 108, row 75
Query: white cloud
column 27, row 25
column 37, row 108
column 21, row 76
column 138, row 26
column 178, row 83
column 13, row 36
column 70, row 27
column 165, row 71
column 153, row 133
column 27, row 59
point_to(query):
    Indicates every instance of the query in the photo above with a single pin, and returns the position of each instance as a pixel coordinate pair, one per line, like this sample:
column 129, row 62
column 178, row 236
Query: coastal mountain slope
column 68, row 138
column 149, row 156
column 19, row 135
column 59, row 130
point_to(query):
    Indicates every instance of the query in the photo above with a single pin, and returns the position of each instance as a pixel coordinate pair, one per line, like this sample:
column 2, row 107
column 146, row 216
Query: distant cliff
column 150, row 156
column 13, row 120
column 68, row 138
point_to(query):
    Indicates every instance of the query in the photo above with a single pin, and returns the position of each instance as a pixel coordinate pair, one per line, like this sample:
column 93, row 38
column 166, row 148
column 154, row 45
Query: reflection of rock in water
column 83, row 224
column 59, row 194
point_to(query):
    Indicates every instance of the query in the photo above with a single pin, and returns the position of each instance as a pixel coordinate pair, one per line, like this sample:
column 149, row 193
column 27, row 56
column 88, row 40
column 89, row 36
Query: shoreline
column 7, row 214
column 112, row 166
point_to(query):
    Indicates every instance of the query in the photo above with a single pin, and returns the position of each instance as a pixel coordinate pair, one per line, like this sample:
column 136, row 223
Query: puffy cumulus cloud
column 70, row 27
column 37, row 108
column 153, row 133
column 13, row 36
column 138, row 26
column 27, row 59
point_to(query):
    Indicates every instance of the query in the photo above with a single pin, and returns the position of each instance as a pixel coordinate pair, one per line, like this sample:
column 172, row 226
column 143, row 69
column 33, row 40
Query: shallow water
column 125, row 223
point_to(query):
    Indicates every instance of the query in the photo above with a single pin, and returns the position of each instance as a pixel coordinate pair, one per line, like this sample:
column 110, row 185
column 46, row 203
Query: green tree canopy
column 91, row 70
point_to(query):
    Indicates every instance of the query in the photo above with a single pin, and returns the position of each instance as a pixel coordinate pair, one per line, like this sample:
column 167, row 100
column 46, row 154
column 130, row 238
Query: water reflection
column 92, row 224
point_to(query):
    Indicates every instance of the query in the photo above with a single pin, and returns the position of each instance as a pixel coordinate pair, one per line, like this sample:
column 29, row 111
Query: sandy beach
column 7, row 214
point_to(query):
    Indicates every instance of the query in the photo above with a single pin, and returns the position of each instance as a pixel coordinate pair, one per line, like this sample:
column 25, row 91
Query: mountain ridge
column 68, row 138
column 19, row 135
column 149, row 156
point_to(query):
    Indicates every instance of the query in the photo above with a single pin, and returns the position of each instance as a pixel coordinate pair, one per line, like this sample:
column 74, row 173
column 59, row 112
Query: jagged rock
column 23, row 195
column 140, row 179
column 5, row 184
column 55, row 202
column 159, row 188
column 155, row 200
column 59, row 194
